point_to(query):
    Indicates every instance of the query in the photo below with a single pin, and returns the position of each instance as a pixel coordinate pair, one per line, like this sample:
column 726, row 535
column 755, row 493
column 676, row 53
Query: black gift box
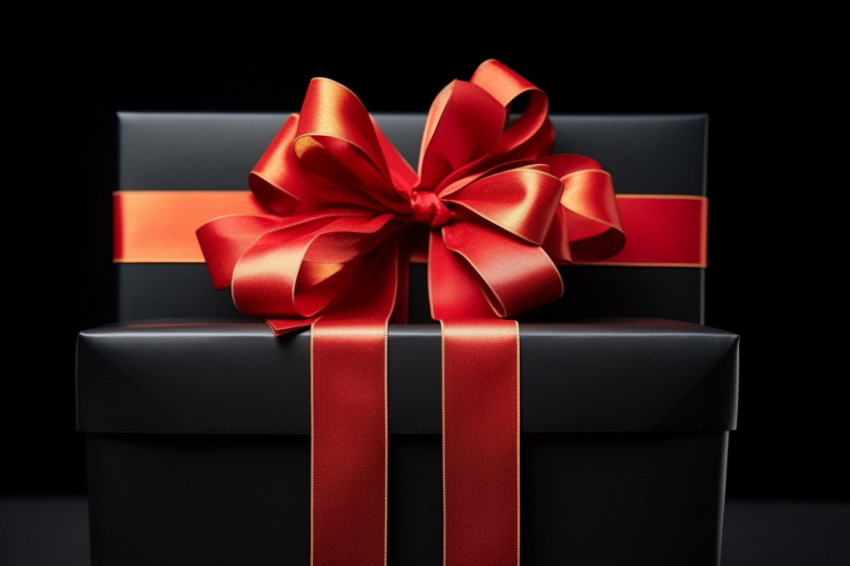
column 198, row 430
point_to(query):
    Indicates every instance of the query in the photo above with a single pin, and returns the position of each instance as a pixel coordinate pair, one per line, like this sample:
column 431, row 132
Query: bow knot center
column 428, row 208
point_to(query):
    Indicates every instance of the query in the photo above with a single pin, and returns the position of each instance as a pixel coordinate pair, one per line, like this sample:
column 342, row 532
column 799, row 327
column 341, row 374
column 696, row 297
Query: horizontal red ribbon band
column 159, row 226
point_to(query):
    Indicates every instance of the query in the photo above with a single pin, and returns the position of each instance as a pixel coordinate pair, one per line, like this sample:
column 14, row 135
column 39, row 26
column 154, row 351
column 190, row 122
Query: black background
column 772, row 185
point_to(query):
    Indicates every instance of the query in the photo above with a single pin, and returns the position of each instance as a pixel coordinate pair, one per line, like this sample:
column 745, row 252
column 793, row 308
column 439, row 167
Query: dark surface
column 784, row 533
column 587, row 376
column 638, row 498
column 644, row 153
column 42, row 531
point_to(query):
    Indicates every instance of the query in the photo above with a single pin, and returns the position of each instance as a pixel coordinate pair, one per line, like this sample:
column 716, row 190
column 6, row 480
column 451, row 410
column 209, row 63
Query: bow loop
column 530, row 134
column 331, row 112
column 513, row 276
column 587, row 225
column 336, row 139
column 523, row 201
column 463, row 126
column 304, row 270
column 332, row 153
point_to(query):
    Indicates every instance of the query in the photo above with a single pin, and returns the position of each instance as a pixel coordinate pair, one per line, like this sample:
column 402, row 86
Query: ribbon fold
column 341, row 210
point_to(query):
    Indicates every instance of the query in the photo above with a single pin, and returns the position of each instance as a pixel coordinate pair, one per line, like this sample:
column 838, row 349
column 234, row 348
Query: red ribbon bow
column 344, row 212
column 501, row 210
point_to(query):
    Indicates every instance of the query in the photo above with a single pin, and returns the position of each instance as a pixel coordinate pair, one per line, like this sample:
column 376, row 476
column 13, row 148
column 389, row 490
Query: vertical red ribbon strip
column 348, row 423
column 481, row 504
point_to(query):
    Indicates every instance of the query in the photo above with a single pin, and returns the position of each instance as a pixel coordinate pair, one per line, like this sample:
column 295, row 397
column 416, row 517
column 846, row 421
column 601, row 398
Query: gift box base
column 199, row 446
column 587, row 498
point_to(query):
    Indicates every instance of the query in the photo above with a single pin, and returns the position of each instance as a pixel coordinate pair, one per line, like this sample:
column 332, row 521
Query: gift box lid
column 660, row 154
column 206, row 377
column 651, row 153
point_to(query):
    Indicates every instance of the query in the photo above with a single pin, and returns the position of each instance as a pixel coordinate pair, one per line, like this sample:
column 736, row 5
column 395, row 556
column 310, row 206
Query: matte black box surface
column 198, row 446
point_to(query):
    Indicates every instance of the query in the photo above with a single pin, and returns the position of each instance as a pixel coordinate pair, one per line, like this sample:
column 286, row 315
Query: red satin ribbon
column 481, row 504
column 348, row 494
column 342, row 209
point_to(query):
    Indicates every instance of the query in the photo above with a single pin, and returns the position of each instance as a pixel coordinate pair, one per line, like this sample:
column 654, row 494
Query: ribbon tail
column 349, row 455
column 481, row 418
column 481, row 505
column 349, row 422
